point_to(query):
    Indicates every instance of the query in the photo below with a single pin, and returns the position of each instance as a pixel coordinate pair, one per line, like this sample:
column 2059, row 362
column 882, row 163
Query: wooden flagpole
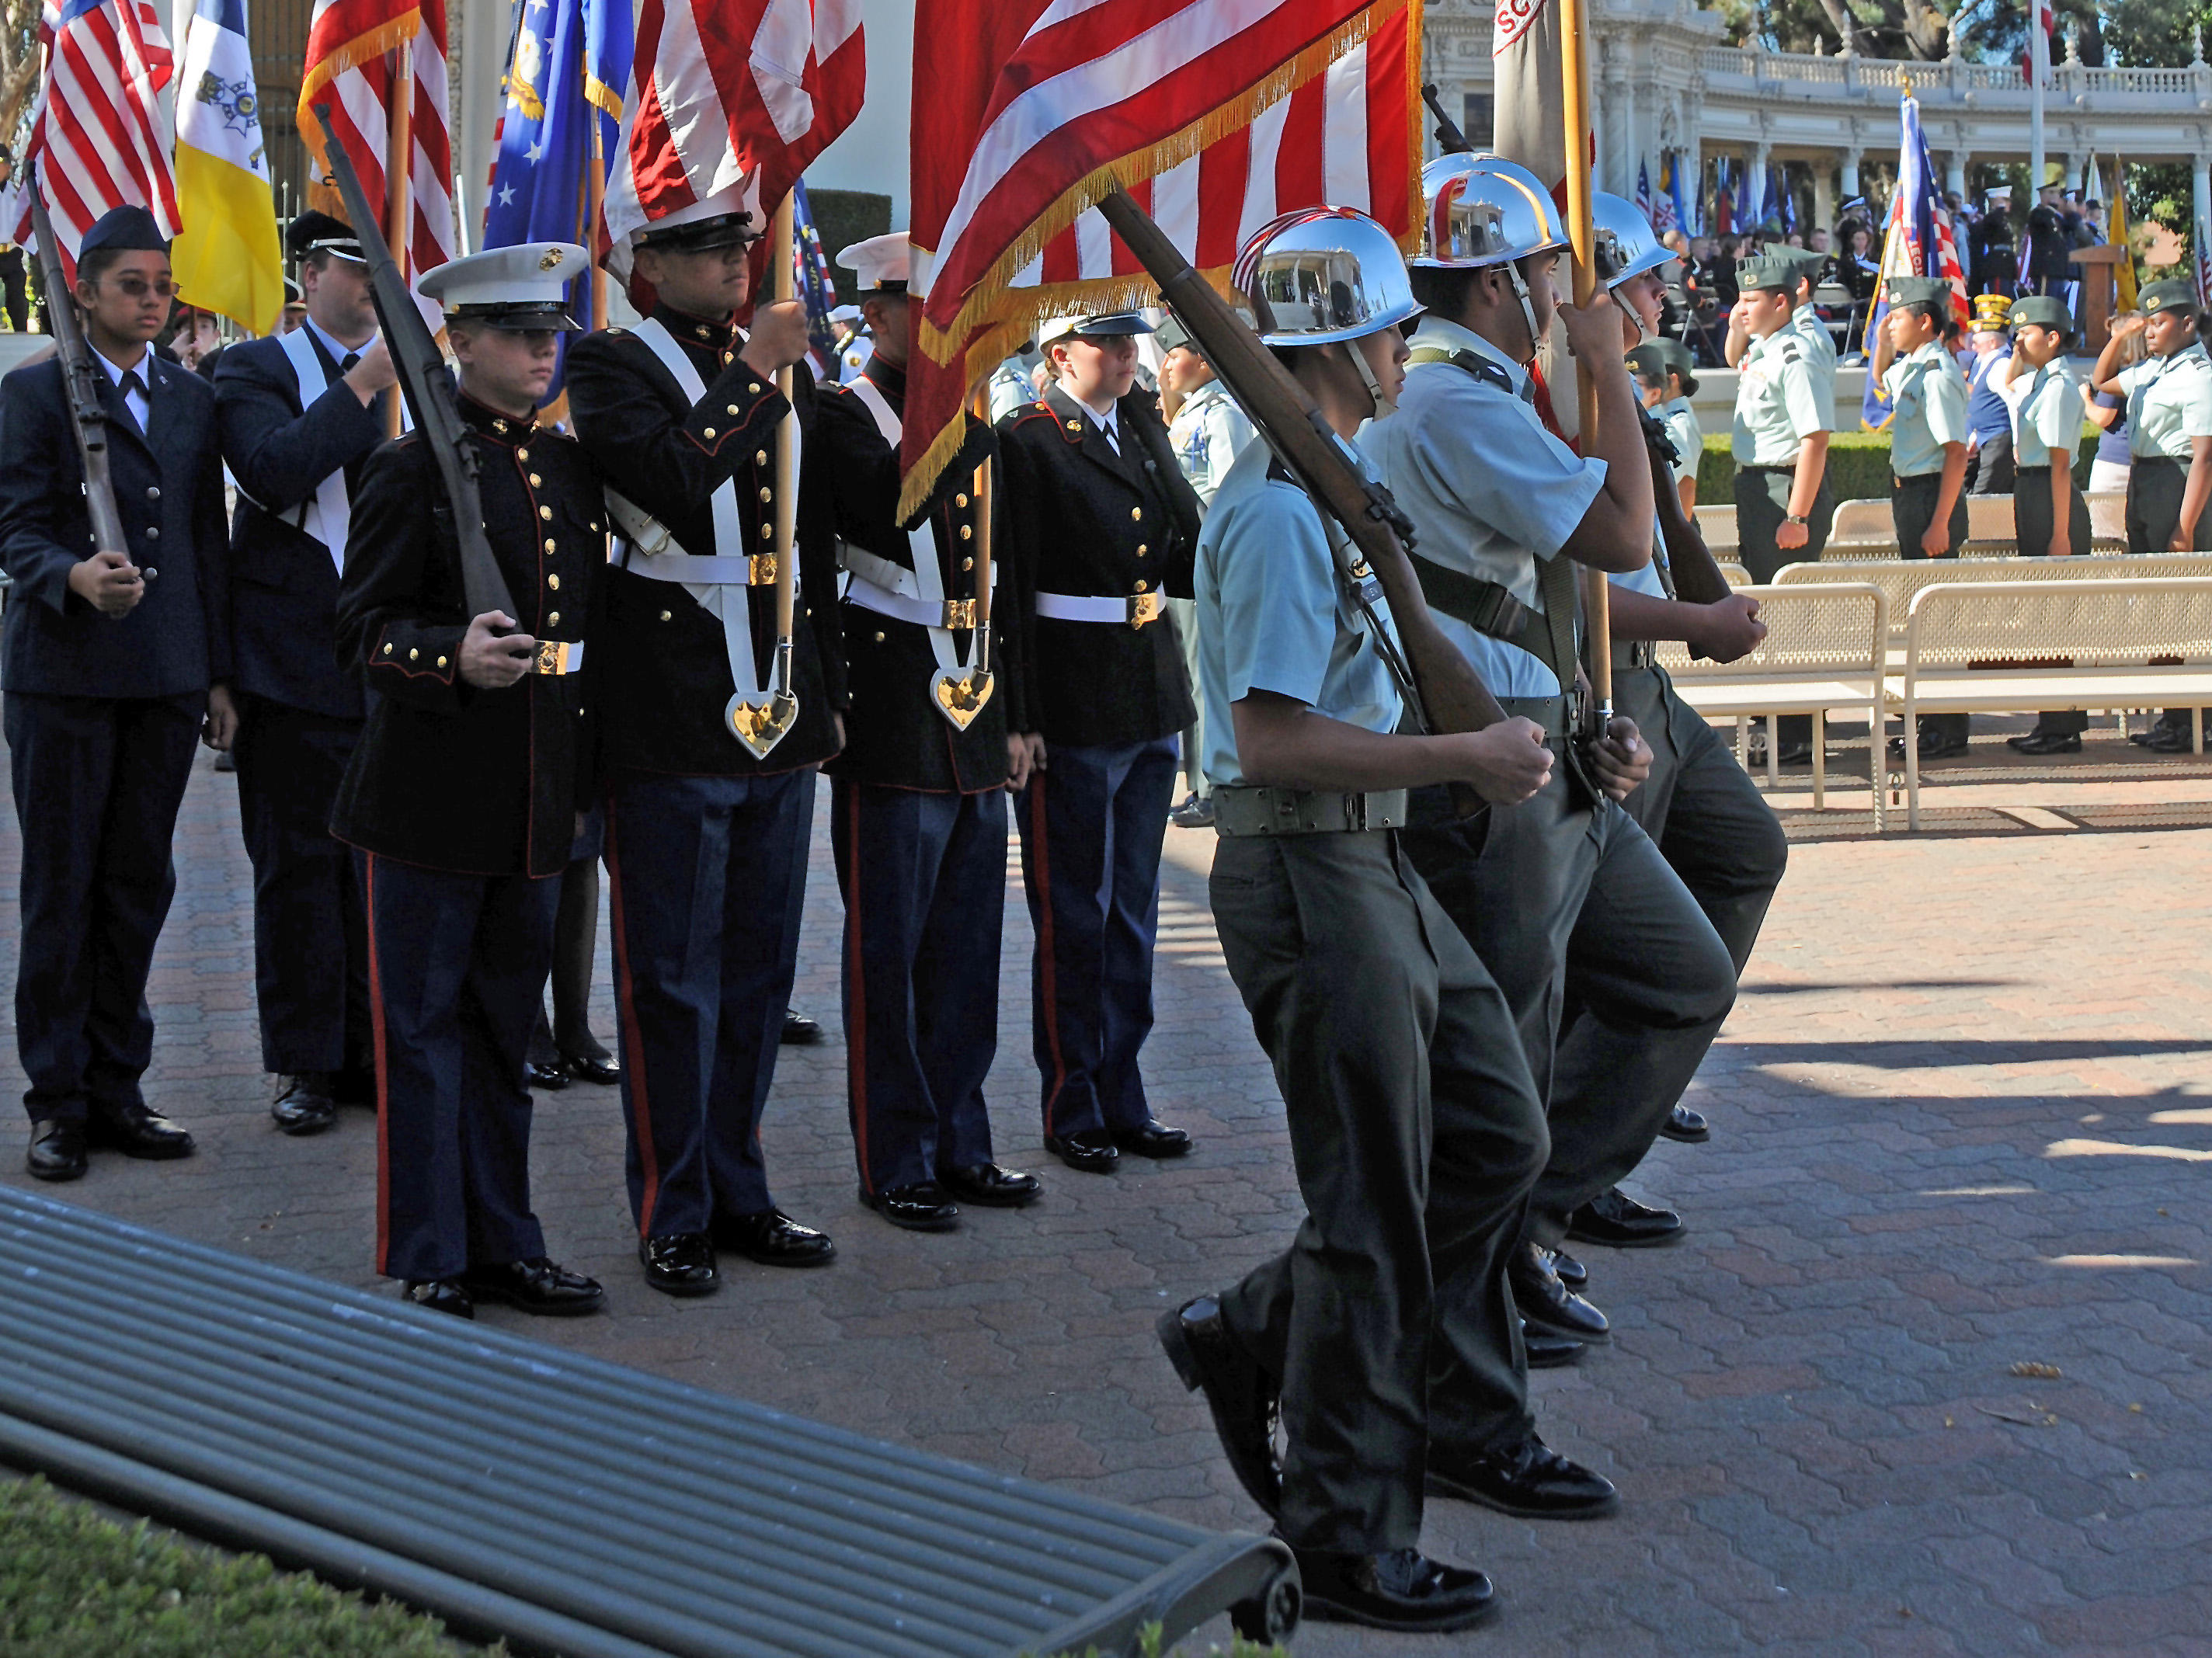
column 787, row 457
column 399, row 192
column 1574, row 64
column 595, row 196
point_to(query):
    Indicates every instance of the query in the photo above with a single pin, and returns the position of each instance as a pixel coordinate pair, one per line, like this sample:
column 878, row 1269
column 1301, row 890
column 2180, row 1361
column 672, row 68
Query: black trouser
column 2033, row 520
column 1762, row 503
column 12, row 284
column 1989, row 469
column 2155, row 487
column 1912, row 503
column 575, row 944
column 98, row 780
column 1416, row 1133
column 310, row 948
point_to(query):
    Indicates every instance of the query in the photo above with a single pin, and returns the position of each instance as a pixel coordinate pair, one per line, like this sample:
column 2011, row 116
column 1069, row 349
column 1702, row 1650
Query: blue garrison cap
column 130, row 229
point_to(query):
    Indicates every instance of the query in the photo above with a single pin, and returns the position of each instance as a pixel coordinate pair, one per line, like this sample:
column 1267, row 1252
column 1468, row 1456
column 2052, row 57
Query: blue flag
column 1681, row 209
column 814, row 284
column 1908, row 245
column 566, row 72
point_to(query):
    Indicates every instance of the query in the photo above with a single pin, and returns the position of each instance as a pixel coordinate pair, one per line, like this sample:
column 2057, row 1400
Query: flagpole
column 787, row 467
column 398, row 196
column 1574, row 63
column 2039, row 54
column 595, row 195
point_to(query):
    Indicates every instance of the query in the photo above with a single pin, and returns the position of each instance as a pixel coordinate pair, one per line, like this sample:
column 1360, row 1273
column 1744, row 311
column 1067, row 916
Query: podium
column 2099, row 278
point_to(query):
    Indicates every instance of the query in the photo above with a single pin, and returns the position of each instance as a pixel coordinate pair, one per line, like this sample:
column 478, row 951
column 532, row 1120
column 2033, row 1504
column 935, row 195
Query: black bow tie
column 131, row 383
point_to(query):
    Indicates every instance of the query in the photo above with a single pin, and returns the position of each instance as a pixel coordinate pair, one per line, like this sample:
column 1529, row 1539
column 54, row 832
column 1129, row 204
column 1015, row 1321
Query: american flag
column 352, row 53
column 2203, row 264
column 723, row 92
column 1218, row 118
column 100, row 138
column 2035, row 55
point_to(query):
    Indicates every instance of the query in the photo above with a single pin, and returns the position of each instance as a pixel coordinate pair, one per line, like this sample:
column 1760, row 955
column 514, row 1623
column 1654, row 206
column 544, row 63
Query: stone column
column 1848, row 175
column 1824, row 196
column 1954, row 171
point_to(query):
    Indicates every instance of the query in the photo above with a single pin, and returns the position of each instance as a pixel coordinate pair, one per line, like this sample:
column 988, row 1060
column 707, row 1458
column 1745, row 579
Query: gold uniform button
column 498, row 426
column 553, row 620
column 387, row 650
column 1075, row 426
column 766, row 495
column 708, row 432
column 412, row 655
column 1137, row 515
column 1140, row 587
column 536, row 482
column 524, row 455
column 760, row 458
column 551, row 545
column 967, row 533
column 554, row 582
column 959, row 500
column 879, row 639
column 967, row 563
column 732, row 409
column 441, row 661
column 1141, row 549
column 544, row 511
column 667, row 616
column 767, row 531
column 754, row 388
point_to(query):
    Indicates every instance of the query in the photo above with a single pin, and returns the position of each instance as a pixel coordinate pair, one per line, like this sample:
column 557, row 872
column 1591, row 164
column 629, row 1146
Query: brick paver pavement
column 1960, row 1118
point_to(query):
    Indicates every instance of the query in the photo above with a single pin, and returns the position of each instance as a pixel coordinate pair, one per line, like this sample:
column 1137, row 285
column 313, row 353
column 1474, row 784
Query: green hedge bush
column 1858, row 467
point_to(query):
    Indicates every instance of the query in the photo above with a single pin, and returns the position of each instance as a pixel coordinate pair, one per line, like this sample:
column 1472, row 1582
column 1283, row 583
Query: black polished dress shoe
column 1403, row 1589
column 136, row 1132
column 535, row 1286
column 2047, row 743
column 440, row 1295
column 543, row 1079
column 1569, row 1271
column 1686, row 1126
column 1241, row 1394
column 56, row 1151
column 1154, row 1139
column 592, row 1068
column 2169, row 739
column 1548, row 1352
column 1546, row 1305
column 1529, row 1479
column 990, row 1186
column 799, row 1031
column 681, row 1264
column 1794, row 754
column 768, row 1237
column 304, row 1104
column 1617, row 1220
column 1090, row 1152
column 355, row 1085
column 924, row 1207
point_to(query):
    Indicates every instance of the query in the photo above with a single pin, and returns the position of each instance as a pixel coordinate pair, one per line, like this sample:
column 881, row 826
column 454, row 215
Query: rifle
column 429, row 390
column 1596, row 592
column 80, row 383
column 1443, row 688
column 1449, row 139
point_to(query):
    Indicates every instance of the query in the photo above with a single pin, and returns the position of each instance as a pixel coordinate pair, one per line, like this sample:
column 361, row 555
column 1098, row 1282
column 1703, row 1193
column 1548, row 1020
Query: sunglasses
column 138, row 287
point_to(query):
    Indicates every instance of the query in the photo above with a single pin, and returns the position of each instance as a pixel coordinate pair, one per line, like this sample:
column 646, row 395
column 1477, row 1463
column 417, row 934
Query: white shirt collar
column 1103, row 420
column 1447, row 335
column 339, row 352
column 142, row 364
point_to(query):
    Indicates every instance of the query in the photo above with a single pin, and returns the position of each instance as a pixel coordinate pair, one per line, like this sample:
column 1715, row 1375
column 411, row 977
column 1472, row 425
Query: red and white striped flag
column 739, row 92
column 100, row 138
column 1217, row 116
column 352, row 53
column 2035, row 56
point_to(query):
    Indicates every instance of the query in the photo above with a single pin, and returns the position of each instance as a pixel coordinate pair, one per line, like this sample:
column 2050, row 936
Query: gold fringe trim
column 385, row 37
column 598, row 92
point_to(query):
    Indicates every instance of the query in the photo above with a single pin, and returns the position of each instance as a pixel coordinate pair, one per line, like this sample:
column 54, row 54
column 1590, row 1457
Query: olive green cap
column 1171, row 333
column 1917, row 290
column 1773, row 273
column 2039, row 311
column 2177, row 294
column 1656, row 359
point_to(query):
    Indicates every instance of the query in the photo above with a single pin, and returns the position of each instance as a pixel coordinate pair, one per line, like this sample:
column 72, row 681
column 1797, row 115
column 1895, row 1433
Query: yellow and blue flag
column 226, row 257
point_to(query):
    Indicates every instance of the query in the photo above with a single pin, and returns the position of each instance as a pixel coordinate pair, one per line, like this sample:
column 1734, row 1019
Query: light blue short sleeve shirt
column 1927, row 389
column 2047, row 418
column 2169, row 403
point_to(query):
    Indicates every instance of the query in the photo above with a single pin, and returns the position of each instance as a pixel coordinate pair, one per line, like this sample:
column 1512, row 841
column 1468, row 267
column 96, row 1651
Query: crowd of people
column 1485, row 963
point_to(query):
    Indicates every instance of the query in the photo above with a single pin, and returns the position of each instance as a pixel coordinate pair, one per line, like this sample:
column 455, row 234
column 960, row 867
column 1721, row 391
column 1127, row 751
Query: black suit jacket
column 894, row 734
column 1077, row 519
column 284, row 583
column 168, row 492
column 447, row 774
column 666, row 665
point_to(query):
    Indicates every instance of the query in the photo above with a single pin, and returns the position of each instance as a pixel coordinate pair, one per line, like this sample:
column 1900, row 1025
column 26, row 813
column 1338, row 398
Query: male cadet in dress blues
column 1927, row 393
column 1564, row 891
column 1208, row 432
column 117, row 659
column 1384, row 1334
column 300, row 414
column 706, row 848
column 2050, row 517
column 1098, row 527
column 1784, row 411
column 918, row 812
column 463, row 791
column 2169, row 403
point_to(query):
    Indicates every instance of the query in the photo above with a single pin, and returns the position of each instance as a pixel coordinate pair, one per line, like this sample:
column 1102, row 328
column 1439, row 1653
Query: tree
column 19, row 63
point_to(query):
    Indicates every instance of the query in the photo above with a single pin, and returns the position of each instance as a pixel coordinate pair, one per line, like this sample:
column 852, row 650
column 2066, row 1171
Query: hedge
column 1858, row 467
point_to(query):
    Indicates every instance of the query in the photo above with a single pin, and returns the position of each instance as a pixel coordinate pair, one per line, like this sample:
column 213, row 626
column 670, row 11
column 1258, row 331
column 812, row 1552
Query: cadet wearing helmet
column 1384, row 1330
column 2050, row 517
column 1504, row 511
column 2169, row 405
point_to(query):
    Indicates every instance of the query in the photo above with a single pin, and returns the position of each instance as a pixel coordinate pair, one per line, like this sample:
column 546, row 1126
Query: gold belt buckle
column 761, row 570
column 1146, row 607
column 552, row 656
column 959, row 613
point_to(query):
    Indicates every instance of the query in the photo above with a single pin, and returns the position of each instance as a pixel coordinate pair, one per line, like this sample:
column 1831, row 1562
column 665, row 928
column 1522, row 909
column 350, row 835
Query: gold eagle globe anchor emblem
column 960, row 694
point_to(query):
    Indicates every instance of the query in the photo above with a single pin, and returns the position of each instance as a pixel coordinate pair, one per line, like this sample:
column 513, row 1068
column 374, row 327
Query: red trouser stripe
column 383, row 1071
column 1040, row 862
column 856, row 1018
column 634, row 1066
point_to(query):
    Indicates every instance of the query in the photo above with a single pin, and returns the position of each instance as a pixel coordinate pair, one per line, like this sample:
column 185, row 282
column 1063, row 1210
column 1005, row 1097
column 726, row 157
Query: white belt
column 892, row 590
column 1133, row 611
column 697, row 569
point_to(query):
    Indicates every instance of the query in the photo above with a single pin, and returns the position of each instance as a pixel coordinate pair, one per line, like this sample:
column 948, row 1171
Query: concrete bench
column 1991, row 646
column 1902, row 579
column 560, row 1503
column 1823, row 651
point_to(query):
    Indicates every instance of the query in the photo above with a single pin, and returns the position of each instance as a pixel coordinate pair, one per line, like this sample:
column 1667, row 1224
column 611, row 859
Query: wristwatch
column 1796, row 517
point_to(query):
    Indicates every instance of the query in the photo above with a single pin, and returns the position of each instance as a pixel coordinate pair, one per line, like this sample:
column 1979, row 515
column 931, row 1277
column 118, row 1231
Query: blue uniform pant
column 310, row 955
column 924, row 876
column 1091, row 827
column 455, row 964
column 701, row 873
column 98, row 780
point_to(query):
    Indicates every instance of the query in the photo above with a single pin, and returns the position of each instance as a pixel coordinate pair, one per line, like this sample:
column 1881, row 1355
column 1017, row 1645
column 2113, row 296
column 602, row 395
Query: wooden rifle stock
column 428, row 387
column 1449, row 696
column 1574, row 68
column 1698, row 578
column 80, row 383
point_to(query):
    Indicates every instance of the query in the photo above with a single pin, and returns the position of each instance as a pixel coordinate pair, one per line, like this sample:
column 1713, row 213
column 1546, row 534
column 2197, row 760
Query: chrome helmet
column 1623, row 243
column 1484, row 209
column 1323, row 274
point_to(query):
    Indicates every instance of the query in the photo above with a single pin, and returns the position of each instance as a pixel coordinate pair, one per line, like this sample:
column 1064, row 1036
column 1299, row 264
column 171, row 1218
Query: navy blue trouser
column 924, row 876
column 1091, row 827
column 310, row 952
column 455, row 966
column 98, row 780
column 706, row 940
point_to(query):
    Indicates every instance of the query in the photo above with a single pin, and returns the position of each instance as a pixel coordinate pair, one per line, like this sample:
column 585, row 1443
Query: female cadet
column 2050, row 517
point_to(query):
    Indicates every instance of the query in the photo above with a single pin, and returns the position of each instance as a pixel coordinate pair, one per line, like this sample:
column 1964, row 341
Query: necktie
column 345, row 364
column 130, row 385
column 1113, row 438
